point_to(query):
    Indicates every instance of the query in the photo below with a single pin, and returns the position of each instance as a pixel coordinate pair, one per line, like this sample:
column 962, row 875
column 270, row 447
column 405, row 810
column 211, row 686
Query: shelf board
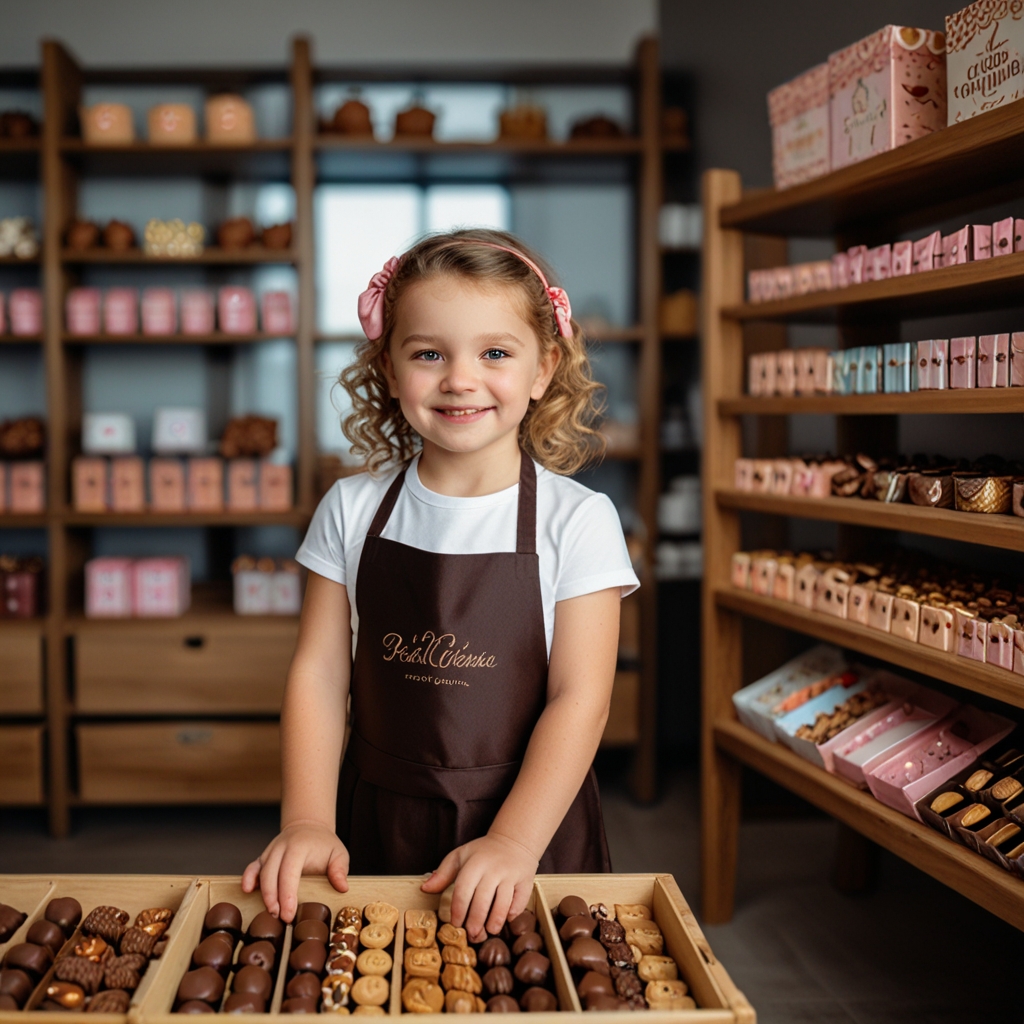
column 970, row 675
column 263, row 159
column 971, row 401
column 226, row 257
column 923, row 181
column 526, row 147
column 970, row 874
column 22, row 339
column 217, row 338
column 293, row 517
column 19, row 159
column 23, row 520
column 17, row 261
column 964, row 288
column 998, row 531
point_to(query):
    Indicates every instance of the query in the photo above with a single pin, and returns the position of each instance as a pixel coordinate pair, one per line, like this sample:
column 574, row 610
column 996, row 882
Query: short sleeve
column 593, row 554
column 323, row 549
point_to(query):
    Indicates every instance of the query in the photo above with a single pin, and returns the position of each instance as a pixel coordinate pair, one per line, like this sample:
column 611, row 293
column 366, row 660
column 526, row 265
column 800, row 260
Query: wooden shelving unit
column 896, row 191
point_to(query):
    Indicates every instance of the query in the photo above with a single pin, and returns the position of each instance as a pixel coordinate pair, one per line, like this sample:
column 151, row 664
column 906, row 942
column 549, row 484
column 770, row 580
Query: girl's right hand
column 302, row 848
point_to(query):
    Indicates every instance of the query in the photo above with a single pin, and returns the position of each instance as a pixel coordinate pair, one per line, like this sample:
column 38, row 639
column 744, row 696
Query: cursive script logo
column 437, row 650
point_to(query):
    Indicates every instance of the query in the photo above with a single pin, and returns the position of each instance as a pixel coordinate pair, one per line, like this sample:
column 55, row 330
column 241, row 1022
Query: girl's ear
column 545, row 371
column 389, row 373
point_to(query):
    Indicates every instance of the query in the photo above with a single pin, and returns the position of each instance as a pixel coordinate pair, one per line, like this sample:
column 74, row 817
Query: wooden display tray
column 718, row 998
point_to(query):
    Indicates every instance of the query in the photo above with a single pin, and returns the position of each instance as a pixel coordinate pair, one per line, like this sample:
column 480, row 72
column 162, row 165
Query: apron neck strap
column 526, row 524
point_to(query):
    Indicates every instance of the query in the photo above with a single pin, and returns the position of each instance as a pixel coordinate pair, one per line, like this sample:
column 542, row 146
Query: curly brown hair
column 558, row 429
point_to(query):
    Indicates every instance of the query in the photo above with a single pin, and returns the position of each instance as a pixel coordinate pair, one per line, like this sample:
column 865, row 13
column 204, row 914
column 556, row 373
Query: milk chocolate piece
column 203, row 983
column 599, row 1002
column 107, row 922
column 265, row 926
column 258, row 954
column 310, row 929
column 532, row 968
column 502, row 1004
column 79, row 970
column 588, row 954
column 313, row 912
column 575, row 926
column 595, row 984
column 525, row 922
column 215, row 951
column 573, row 906
column 538, row 1000
column 223, row 917
column 494, row 953
column 244, row 1002
column 7, row 1002
column 66, row 994
column 301, row 1004
column 303, row 986
column 46, row 933
column 526, row 942
column 498, row 981
column 253, row 979
column 65, row 912
column 609, row 932
column 120, row 976
column 195, row 1006
column 10, row 921
column 29, row 957
column 114, row 1001
column 136, row 940
column 620, row 953
column 15, row 983
column 308, row 956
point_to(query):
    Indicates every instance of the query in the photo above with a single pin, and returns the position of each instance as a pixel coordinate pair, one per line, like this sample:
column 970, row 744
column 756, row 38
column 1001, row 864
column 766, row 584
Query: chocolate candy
column 494, row 953
column 107, row 922
column 92, row 947
column 216, row 952
column 525, row 922
column 502, row 1004
column 620, row 954
column 498, row 981
column 526, row 942
column 313, row 912
column 203, row 983
column 311, row 929
column 29, row 957
column 195, row 1006
column 532, row 968
column 7, row 1002
column 46, row 933
column 573, row 906
column 600, row 1002
column 121, row 976
column 575, row 926
column 300, row 1004
column 265, row 926
column 15, row 983
column 79, row 970
column 595, row 984
column 10, row 921
column 588, row 954
column 66, row 994
column 254, row 980
column 303, row 986
column 609, row 932
column 258, row 954
column 113, row 1001
column 308, row 956
column 538, row 1000
column 65, row 912
column 223, row 917
column 244, row 1002
column 136, row 940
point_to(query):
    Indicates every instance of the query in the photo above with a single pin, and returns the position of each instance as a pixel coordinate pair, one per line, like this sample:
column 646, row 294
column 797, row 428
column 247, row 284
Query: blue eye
column 428, row 356
column 495, row 354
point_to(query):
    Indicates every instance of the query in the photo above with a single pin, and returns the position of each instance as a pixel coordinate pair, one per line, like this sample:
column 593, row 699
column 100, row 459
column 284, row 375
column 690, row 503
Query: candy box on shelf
column 206, row 484
column 90, row 484
column 179, row 431
column 197, row 315
column 857, row 261
column 108, row 588
column 962, row 356
column 108, row 433
column 161, row 587
column 938, row 628
column 956, row 248
column 242, row 492
column 762, row 574
column 993, row 361
column 806, row 583
column 880, row 262
column 899, row 367
column 739, row 571
column 251, row 584
column 786, row 382
column 236, row 310
column 171, row 124
column 743, row 478
column 25, row 308
column 275, row 487
column 27, row 487
column 970, row 635
column 798, row 113
column 869, row 370
column 933, row 364
column 167, row 485
column 82, row 311
column 107, row 124
column 121, row 311
column 880, row 607
column 229, row 120
column 20, row 588
column 927, row 253
column 902, row 259
column 981, row 241
column 999, row 644
column 984, row 47
column 127, row 484
column 276, row 313
column 159, row 311
column 1002, row 237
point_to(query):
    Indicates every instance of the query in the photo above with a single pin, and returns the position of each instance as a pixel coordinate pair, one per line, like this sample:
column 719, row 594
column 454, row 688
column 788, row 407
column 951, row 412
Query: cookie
column 374, row 961
column 420, row 928
column 944, row 801
column 668, row 995
column 421, row 995
column 381, row 913
column 371, row 990
column 632, row 910
column 449, row 935
column 1006, row 789
column 648, row 940
column 459, row 1002
column 657, row 968
column 464, row 955
column 465, row 979
column 376, row 936
column 369, row 1011
column 422, row 963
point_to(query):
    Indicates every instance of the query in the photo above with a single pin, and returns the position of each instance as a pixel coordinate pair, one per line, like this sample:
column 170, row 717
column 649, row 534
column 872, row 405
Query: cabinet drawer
column 180, row 763
column 21, row 669
column 216, row 668
column 623, row 726
column 21, row 764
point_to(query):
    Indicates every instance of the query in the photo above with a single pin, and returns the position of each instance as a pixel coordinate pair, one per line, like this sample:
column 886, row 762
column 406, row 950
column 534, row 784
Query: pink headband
column 371, row 302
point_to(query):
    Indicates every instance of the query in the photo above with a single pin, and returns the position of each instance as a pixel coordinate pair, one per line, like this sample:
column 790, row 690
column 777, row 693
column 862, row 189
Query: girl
column 482, row 584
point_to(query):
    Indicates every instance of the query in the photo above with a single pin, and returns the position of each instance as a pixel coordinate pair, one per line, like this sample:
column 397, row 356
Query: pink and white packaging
column 994, row 361
column 161, row 587
column 755, row 374
column 28, row 486
column 1002, row 237
column 739, row 570
column 784, row 587
column 858, row 258
column 962, row 356
column 763, row 474
column 859, row 602
column 999, row 645
column 840, row 270
column 981, row 241
column 769, row 285
column 884, row 91
column 1017, row 360
column 985, row 58
column 927, row 252
column 108, row 588
column 906, row 619
column 806, row 583
column 798, row 114
column 743, row 479
column 762, row 575
column 159, row 311
column 121, row 311
column 82, row 311
column 822, row 371
column 970, row 636
column 1018, row 235
column 902, row 258
column 196, row 311
column 938, row 628
column 803, row 278
column 252, row 592
column 822, row 271
column 956, row 248
column 785, row 282
column 933, row 365
column 26, row 312
column 880, row 262
column 880, row 611
column 236, row 310
column 849, row 683
column 769, row 373
column 276, row 313
column 805, row 371
column 782, row 476
column 785, row 384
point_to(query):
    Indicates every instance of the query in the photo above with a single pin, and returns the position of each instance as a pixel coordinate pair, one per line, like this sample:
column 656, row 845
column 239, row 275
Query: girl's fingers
column 251, row 876
column 500, row 907
column 444, row 874
column 520, row 898
column 337, row 869
column 268, row 879
column 483, row 897
column 462, row 894
column 292, row 863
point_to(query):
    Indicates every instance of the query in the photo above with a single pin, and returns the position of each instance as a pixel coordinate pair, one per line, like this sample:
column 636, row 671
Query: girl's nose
column 459, row 377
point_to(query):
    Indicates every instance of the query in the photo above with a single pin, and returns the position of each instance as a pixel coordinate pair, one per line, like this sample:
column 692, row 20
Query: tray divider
column 277, row 996
column 395, row 1002
column 568, row 999
column 33, row 914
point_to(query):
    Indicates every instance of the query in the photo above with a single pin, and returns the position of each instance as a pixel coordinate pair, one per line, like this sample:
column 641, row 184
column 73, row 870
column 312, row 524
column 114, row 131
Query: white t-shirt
column 579, row 537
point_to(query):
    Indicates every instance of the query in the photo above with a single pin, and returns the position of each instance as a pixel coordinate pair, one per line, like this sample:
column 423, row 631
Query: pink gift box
column 785, row 282
column 159, row 311
column 933, row 365
column 1002, row 237
column 860, row 601
column 803, row 274
column 762, row 478
column 981, row 241
column 82, row 310
column 127, row 484
column 205, row 485
column 970, row 636
column 161, row 587
column 786, row 382
column 275, row 487
column 108, row 588
column 196, row 311
column 784, row 587
column 26, row 312
column 782, row 476
column 769, row 373
column 999, row 645
column 926, row 251
column 236, row 310
column 906, row 619
column 739, row 570
column 994, row 361
column 806, row 585
column 89, row 484
column 276, row 313
column 880, row 262
column 962, row 354
column 880, row 611
column 938, row 628
column 956, row 248
column 121, row 311
column 804, row 371
column 857, row 260
column 27, row 488
column 798, row 114
column 762, row 575
column 821, row 478
column 822, row 271
column 822, row 371
column 840, row 270
column 167, row 485
column 744, row 475
column 769, row 285
column 1017, row 360
column 902, row 258
column 242, row 493
column 1018, row 235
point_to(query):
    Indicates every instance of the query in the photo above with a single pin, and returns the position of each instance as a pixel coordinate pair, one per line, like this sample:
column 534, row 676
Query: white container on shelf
column 179, row 431
column 108, row 433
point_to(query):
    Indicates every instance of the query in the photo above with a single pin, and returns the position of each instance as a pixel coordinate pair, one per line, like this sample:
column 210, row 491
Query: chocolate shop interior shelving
column 185, row 710
column 964, row 168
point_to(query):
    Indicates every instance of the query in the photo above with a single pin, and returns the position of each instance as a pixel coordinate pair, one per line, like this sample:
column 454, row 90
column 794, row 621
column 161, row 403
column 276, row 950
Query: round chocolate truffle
column 575, row 926
column 572, row 906
column 301, row 1004
column 502, row 1004
column 195, row 1006
column 203, row 983
column 16, row 984
column 303, row 986
column 308, row 956
column 527, row 942
column 255, row 980
column 588, row 954
column 532, row 968
column 244, row 1002
column 7, row 1002
column 223, row 917
column 10, row 921
column 498, row 981
column 311, row 928
column 494, row 953
column 265, row 926
column 258, row 954
column 525, row 922
column 313, row 912
column 65, row 912
column 538, row 1000
column 600, row 1002
column 215, row 952
column 46, row 933
column 595, row 984
column 29, row 957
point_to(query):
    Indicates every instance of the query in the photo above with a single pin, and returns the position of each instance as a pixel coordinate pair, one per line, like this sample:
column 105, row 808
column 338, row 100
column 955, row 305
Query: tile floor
column 911, row 951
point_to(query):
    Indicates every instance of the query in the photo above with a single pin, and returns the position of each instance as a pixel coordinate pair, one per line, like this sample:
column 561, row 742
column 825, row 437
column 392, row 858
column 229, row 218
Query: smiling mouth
column 454, row 413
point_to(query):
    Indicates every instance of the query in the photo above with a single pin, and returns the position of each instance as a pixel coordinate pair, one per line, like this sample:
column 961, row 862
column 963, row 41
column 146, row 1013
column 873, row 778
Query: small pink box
column 999, row 645
column 196, row 311
column 1018, row 235
column 127, row 484
column 956, row 248
column 840, row 270
column 1017, row 360
column 822, row 371
column 1002, row 237
column 769, row 373
column 786, row 383
column 821, row 478
column 926, row 251
column 276, row 313
column 754, row 286
column 782, row 476
column 822, row 271
column 275, row 487
column 784, row 587
column 859, row 603
column 803, row 279
column 937, row 628
column 785, row 282
column 242, row 491
column 902, row 258
column 167, row 485
column 858, row 258
column 108, row 588
column 806, row 585
column 805, row 371
column 739, row 571
column 28, row 493
column 798, row 114
column 121, row 311
column 161, row 587
column 26, row 312
column 994, row 361
column 236, row 310
column 82, row 310
column 880, row 611
column 769, row 285
column 744, row 475
column 159, row 311
column 970, row 636
column 880, row 261
column 837, row 599
column 205, row 485
column 933, row 365
column 962, row 355
column 763, row 474
column 89, row 484
column 906, row 618
column 762, row 575
column 981, row 241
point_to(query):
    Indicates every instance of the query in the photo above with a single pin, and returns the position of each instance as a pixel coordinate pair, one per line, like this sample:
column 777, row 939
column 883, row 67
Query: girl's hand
column 302, row 848
column 493, row 878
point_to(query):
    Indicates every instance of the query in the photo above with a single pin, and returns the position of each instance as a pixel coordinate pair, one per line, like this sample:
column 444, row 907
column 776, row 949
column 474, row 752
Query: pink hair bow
column 563, row 311
column 371, row 301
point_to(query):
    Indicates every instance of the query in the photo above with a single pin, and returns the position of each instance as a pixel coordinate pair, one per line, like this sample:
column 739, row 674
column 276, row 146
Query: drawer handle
column 194, row 737
column 195, row 642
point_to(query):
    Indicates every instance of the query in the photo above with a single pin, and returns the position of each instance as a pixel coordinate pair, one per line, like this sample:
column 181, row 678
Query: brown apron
column 450, row 677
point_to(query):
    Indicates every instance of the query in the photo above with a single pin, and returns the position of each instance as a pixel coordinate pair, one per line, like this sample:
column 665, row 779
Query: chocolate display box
column 707, row 983
column 984, row 43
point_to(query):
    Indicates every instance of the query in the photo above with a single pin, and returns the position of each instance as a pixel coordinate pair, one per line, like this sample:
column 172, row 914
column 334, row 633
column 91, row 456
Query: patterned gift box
column 82, row 311
column 236, row 310
column 108, row 588
column 970, row 635
column 822, row 370
column 1002, row 237
column 985, row 44
column 880, row 611
column 962, row 355
column 993, row 361
column 798, row 112
column 803, row 279
column 159, row 311
column 869, row 370
column 899, row 367
column 927, row 251
column 956, row 248
column 196, row 311
column 981, row 241
column 121, row 311
column 840, row 270
column 161, row 587
column 785, row 384
column 937, row 628
column 933, row 365
column 902, row 258
column 999, row 645
column 857, row 257
column 743, row 479
column 880, row 262
column 842, row 382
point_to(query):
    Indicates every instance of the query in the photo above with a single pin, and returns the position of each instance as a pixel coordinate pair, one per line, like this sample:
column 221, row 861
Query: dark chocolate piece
column 10, row 921
column 532, row 968
column 46, row 933
column 300, row 1004
column 244, row 1002
column 538, row 1000
column 7, row 1002
column 255, row 980
column 65, row 912
column 311, row 929
column 303, row 986
column 223, row 917
column 588, row 954
column 15, row 983
column 620, row 954
column 215, row 952
column 627, row 984
column 502, row 1004
column 107, row 922
column 114, row 1001
column 121, row 976
column 494, row 953
column 203, row 983
column 599, row 1002
column 258, row 954
column 526, row 942
column 313, row 912
column 573, row 906
column 308, row 956
column 498, row 981
column 195, row 1006
column 609, row 932
column 265, row 926
column 29, row 957
column 79, row 970
column 575, row 926
column 525, row 922
column 595, row 984
column 133, row 961
column 137, row 940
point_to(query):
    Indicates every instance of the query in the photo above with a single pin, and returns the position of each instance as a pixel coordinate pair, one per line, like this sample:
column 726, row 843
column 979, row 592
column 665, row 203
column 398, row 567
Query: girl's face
column 464, row 364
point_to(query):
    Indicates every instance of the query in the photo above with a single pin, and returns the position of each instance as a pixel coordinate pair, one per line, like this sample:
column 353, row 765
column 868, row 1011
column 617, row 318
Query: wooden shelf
column 938, row 176
column 16, row 339
column 19, row 159
column 224, row 257
column 525, row 147
column 965, row 288
column 217, row 338
column 17, row 261
column 968, row 401
column 23, row 521
column 998, row 531
column 970, row 675
column 970, row 874
column 262, row 160
column 294, row 517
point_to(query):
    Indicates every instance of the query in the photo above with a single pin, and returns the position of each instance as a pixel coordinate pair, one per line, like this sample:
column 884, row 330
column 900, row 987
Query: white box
column 108, row 433
column 179, row 431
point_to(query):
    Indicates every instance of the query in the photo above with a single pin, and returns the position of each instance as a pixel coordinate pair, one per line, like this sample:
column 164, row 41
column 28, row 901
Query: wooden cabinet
column 21, row 669
column 21, row 765
column 623, row 726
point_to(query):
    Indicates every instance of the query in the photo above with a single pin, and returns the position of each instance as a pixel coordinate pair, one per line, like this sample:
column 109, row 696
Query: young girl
column 482, row 584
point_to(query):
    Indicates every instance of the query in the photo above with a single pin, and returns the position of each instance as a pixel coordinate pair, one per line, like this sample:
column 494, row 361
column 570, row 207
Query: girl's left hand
column 493, row 878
